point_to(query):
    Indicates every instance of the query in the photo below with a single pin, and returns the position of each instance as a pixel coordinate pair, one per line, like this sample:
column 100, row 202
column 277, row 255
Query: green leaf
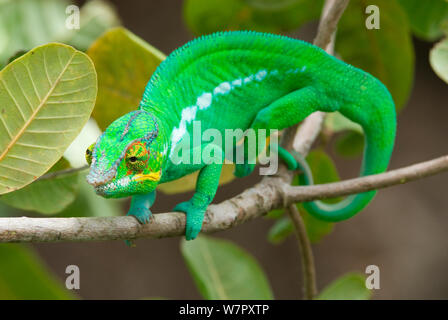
column 275, row 214
column 46, row 97
column 124, row 63
column 386, row 53
column 47, row 196
column 348, row 287
column 25, row 24
column 208, row 16
column 439, row 59
column 426, row 17
column 222, row 270
column 280, row 231
column 96, row 17
column 315, row 228
column 23, row 276
column 349, row 144
column 336, row 122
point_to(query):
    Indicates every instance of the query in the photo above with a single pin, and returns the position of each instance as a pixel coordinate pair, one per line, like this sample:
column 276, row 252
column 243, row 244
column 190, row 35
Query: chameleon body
column 236, row 80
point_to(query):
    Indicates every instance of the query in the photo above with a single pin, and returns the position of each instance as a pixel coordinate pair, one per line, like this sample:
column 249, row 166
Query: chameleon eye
column 89, row 153
column 137, row 157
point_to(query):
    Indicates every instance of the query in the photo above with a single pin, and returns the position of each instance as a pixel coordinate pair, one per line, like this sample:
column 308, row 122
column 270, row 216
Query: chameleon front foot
column 143, row 215
column 195, row 216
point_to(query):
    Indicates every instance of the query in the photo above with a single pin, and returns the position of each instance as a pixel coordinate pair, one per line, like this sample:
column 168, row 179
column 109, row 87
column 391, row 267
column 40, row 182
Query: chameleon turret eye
column 137, row 157
column 89, row 152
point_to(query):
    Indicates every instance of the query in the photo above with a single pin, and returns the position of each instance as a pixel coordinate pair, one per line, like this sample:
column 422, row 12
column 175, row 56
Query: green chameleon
column 235, row 80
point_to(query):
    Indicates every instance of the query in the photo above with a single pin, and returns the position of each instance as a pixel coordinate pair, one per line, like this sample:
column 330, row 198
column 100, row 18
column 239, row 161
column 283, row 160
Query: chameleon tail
column 379, row 131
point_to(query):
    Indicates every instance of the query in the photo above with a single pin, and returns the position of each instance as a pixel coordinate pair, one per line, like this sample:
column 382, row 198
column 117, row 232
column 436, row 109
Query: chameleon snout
column 97, row 179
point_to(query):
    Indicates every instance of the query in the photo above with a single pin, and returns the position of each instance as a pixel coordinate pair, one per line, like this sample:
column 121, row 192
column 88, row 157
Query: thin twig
column 54, row 174
column 306, row 252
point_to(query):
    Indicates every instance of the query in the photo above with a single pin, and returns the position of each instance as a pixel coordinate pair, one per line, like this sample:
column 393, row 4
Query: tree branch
column 251, row 204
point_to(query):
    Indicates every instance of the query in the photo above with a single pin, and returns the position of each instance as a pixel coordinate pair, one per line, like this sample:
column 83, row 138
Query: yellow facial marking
column 153, row 176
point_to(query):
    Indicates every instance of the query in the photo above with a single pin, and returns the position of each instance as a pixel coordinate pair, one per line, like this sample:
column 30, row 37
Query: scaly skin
column 236, row 80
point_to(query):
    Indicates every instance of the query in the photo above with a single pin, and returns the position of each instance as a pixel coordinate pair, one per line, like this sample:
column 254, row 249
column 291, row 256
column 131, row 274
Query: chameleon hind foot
column 195, row 216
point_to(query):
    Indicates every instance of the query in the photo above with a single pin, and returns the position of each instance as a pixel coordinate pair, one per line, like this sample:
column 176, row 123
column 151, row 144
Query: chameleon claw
column 143, row 215
column 195, row 216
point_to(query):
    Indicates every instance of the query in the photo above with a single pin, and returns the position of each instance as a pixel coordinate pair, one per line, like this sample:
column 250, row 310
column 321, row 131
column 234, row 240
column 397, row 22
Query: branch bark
column 306, row 252
column 251, row 204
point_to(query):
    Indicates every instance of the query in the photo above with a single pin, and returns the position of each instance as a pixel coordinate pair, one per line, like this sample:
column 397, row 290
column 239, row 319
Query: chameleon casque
column 236, row 80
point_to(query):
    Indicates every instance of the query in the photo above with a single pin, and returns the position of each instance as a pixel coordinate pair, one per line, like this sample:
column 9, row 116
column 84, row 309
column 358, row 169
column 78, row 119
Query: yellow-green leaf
column 48, row 195
column 348, row 287
column 124, row 63
column 439, row 59
column 222, row 270
column 46, row 97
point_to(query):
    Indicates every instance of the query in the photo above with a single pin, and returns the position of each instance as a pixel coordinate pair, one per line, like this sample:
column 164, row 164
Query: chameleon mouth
column 112, row 187
column 104, row 189
column 153, row 176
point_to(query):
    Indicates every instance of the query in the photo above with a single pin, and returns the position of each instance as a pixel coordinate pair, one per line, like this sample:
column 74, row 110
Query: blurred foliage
column 121, row 82
column 386, row 53
column 350, row 139
column 439, row 55
column 45, row 111
column 439, row 59
column 324, row 171
column 23, row 276
column 47, row 196
column 97, row 16
column 348, row 287
column 222, row 270
column 88, row 204
column 426, row 17
column 349, row 144
column 25, row 24
column 281, row 229
column 208, row 16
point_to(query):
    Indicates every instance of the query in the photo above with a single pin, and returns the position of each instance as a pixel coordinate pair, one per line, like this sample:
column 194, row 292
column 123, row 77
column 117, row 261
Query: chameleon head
column 127, row 158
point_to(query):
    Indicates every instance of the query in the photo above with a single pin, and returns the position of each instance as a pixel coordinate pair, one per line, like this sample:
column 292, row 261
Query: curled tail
column 378, row 119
